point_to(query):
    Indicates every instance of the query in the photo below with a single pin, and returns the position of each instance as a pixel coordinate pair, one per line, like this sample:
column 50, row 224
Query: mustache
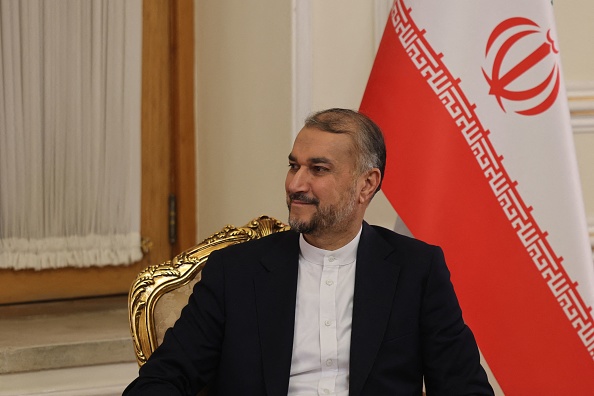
column 303, row 198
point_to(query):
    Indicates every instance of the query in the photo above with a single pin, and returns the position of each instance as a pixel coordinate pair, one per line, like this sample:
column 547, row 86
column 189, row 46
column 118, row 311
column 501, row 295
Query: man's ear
column 371, row 180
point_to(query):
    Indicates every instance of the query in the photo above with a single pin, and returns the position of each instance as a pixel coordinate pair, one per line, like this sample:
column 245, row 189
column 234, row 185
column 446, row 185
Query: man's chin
column 301, row 225
column 301, row 213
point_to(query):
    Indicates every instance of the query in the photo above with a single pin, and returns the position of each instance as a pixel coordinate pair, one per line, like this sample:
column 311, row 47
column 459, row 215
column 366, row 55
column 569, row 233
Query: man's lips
column 297, row 202
column 301, row 199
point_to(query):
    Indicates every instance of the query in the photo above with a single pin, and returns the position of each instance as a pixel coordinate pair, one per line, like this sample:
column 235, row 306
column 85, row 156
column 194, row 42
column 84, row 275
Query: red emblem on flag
column 529, row 78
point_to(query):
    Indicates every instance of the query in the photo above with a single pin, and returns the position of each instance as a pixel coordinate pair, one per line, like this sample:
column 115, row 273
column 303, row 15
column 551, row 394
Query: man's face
column 321, row 184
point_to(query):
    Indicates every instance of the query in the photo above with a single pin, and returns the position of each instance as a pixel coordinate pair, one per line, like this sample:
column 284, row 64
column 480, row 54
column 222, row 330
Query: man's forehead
column 314, row 145
column 309, row 136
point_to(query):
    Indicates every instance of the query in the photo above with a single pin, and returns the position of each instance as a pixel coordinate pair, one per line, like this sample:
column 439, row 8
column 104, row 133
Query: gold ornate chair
column 160, row 291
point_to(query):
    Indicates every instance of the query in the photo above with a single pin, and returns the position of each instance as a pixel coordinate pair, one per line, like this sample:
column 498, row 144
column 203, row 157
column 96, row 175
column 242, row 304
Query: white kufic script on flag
column 481, row 161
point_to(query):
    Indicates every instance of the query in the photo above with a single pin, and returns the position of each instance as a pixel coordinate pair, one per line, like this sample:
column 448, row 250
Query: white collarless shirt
column 323, row 318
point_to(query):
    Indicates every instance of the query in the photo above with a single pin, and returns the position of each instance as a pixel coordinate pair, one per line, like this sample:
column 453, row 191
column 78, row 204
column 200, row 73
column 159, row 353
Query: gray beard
column 324, row 219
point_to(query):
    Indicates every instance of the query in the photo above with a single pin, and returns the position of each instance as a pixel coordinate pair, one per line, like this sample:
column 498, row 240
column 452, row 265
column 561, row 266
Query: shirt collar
column 342, row 256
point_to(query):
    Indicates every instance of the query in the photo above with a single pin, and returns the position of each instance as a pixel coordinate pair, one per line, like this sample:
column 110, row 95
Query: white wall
column 576, row 36
column 243, row 110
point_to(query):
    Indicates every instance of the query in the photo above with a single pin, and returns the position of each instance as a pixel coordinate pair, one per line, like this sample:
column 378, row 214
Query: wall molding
column 302, row 64
column 381, row 12
column 580, row 96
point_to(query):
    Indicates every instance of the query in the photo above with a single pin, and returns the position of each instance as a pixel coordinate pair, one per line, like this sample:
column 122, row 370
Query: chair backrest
column 160, row 291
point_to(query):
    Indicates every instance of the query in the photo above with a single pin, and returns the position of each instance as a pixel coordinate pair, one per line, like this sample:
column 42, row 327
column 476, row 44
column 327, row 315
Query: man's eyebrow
column 313, row 160
column 320, row 160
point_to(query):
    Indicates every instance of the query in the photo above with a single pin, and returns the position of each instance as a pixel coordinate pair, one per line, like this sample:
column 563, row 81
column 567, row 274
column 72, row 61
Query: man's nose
column 298, row 181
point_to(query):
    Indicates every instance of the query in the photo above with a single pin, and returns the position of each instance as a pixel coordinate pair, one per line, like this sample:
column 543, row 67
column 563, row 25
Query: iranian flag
column 481, row 161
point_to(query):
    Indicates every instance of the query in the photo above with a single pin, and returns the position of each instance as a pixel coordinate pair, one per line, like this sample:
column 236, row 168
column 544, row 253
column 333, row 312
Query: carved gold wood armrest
column 156, row 280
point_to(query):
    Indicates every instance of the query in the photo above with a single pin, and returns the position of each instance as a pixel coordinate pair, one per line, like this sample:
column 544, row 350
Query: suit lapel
column 375, row 285
column 276, row 291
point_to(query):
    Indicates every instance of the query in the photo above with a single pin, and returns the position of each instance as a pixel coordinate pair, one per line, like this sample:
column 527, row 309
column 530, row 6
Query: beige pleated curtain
column 69, row 133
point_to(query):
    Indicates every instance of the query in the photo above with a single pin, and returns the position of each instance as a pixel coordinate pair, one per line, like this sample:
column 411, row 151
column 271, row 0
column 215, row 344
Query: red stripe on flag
column 450, row 187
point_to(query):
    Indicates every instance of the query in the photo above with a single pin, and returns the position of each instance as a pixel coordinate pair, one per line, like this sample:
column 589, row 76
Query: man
column 335, row 306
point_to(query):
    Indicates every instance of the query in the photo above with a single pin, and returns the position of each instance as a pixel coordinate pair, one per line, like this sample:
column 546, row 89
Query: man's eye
column 293, row 166
column 319, row 169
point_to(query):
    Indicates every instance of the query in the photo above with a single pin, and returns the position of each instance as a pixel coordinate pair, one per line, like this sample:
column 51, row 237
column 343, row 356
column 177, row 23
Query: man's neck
column 332, row 241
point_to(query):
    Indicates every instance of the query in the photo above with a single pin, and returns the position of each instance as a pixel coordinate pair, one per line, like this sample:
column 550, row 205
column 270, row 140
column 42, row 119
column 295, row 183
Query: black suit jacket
column 236, row 333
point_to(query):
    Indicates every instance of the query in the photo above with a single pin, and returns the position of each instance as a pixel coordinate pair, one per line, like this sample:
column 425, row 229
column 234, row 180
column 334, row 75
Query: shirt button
column 327, row 323
column 329, row 362
column 331, row 258
column 326, row 391
column 329, row 282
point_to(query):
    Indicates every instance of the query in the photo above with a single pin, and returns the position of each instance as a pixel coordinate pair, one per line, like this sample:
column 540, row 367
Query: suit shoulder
column 408, row 246
column 402, row 240
column 409, row 253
